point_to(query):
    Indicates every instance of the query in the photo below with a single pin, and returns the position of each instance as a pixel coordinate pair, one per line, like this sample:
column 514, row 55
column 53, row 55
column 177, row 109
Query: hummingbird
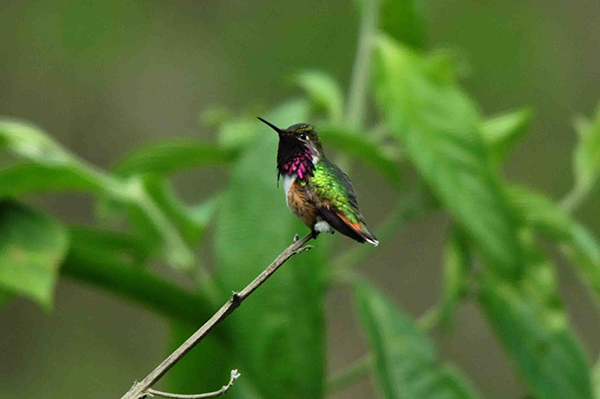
column 316, row 190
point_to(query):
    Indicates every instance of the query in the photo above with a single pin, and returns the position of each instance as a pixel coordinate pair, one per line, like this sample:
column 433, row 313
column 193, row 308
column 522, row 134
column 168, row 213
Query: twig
column 140, row 389
column 234, row 376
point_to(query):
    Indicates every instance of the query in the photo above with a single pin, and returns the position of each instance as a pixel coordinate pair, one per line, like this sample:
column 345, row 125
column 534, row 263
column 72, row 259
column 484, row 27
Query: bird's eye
column 302, row 136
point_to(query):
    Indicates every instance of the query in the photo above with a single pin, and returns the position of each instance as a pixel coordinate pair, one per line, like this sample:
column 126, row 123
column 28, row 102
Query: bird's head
column 301, row 135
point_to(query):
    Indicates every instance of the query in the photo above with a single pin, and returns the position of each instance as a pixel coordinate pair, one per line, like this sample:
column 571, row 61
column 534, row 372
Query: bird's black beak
column 272, row 126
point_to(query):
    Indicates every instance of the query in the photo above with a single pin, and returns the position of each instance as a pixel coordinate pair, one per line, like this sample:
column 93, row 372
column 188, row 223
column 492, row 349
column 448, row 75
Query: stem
column 359, row 82
column 140, row 389
column 136, row 284
column 178, row 252
column 132, row 192
column 351, row 374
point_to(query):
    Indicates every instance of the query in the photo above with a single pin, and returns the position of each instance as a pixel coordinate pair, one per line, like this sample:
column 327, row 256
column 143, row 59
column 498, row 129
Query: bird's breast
column 288, row 180
column 297, row 199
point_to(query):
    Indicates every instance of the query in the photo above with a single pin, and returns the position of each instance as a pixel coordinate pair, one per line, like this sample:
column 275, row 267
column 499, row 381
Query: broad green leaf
column 30, row 142
column 53, row 166
column 4, row 298
column 457, row 264
column 32, row 246
column 364, row 147
column 407, row 364
column 587, row 152
column 324, row 93
column 27, row 178
column 440, row 129
column 282, row 349
column 170, row 157
column 533, row 328
column 205, row 369
column 446, row 65
column 404, row 20
column 502, row 132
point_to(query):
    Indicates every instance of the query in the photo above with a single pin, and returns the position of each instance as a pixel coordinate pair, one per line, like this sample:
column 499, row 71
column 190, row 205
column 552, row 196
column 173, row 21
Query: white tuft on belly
column 287, row 183
column 323, row 227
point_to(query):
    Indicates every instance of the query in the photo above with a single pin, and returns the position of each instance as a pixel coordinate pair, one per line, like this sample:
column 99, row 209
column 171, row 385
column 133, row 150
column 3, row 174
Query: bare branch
column 140, row 389
column 234, row 376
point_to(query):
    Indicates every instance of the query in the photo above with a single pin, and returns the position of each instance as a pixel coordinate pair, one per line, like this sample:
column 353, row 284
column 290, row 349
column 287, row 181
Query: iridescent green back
column 333, row 185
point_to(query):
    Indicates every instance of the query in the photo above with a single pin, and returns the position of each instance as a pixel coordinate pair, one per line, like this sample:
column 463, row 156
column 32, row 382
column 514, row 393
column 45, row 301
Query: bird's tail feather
column 356, row 230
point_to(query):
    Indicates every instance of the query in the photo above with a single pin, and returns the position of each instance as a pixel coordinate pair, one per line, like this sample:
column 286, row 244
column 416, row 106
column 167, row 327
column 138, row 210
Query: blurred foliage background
column 107, row 78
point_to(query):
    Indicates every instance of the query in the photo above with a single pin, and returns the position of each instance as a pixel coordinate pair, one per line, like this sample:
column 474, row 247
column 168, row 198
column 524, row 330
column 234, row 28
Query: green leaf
column 447, row 65
column 457, row 264
column 32, row 246
column 191, row 222
column 109, row 270
column 533, row 328
column 404, row 20
column 283, row 348
column 64, row 170
column 203, row 213
column 538, row 212
column 30, row 142
column 53, row 167
column 407, row 364
column 239, row 133
column 120, row 246
column 584, row 250
column 440, row 129
column 4, row 298
column 502, row 132
column 596, row 380
column 324, row 93
column 364, row 147
column 170, row 157
column 587, row 152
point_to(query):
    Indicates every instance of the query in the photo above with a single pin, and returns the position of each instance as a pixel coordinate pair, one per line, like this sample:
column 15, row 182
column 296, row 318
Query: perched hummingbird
column 316, row 190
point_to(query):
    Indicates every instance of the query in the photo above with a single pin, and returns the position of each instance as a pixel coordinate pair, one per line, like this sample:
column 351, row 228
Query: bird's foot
column 296, row 237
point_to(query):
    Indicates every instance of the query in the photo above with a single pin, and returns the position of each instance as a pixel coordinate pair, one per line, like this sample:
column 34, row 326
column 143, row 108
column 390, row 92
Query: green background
column 104, row 77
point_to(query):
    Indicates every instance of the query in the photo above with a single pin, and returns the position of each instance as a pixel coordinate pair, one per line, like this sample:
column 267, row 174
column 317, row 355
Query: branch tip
column 234, row 376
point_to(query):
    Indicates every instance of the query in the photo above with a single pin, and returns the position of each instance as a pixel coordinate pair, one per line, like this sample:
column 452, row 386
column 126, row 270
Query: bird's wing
column 338, row 204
